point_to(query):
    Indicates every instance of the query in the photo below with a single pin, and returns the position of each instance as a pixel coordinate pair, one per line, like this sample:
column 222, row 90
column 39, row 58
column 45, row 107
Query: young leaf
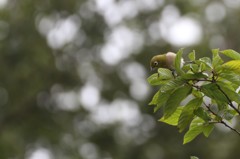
column 207, row 61
column 164, row 74
column 175, row 99
column 231, row 53
column 187, row 113
column 211, row 90
column 178, row 62
column 207, row 129
column 155, row 80
column 154, row 99
column 230, row 76
column 162, row 99
column 191, row 55
column 230, row 93
column 173, row 84
column 233, row 65
column 201, row 113
column 194, row 76
column 195, row 129
column 229, row 114
column 194, row 67
column 217, row 61
column 173, row 119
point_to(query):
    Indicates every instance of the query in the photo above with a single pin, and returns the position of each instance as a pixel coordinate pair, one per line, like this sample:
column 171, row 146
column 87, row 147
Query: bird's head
column 163, row 61
column 158, row 61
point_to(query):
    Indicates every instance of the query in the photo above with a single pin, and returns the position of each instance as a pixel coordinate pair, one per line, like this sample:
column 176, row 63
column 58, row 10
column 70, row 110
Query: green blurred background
column 73, row 76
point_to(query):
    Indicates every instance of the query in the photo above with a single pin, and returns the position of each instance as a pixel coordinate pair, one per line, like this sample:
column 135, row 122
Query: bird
column 166, row 60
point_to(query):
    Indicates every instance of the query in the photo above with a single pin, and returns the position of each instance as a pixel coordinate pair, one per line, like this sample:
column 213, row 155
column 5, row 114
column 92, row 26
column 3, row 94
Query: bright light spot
column 3, row 3
column 232, row 3
column 179, row 31
column 59, row 31
column 138, row 133
column 63, row 32
column 114, row 12
column 110, row 11
column 184, row 32
column 111, row 55
column 139, row 89
column 67, row 100
column 215, row 12
column 133, row 71
column 170, row 14
column 89, row 97
column 121, row 43
column 128, row 9
column 88, row 151
column 41, row 153
column 45, row 25
column 153, row 31
column 123, row 111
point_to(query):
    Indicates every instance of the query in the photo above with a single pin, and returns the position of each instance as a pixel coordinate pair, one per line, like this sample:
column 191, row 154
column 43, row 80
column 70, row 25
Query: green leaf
column 187, row 113
column 194, row 76
column 175, row 99
column 173, row 84
column 154, row 80
column 211, row 90
column 207, row 129
column 233, row 65
column 165, row 74
column 191, row 55
column 194, row 157
column 232, row 95
column 230, row 76
column 217, row 61
column 231, row 53
column 200, row 112
column 162, row 99
column 173, row 119
column 178, row 62
column 228, row 114
column 194, row 68
column 207, row 61
column 154, row 99
column 195, row 129
column 197, row 93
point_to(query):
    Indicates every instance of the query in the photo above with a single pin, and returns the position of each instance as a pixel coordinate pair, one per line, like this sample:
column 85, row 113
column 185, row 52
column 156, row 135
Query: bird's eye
column 155, row 63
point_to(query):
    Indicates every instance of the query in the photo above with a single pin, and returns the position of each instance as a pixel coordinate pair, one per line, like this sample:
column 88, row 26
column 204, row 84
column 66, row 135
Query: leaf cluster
column 204, row 92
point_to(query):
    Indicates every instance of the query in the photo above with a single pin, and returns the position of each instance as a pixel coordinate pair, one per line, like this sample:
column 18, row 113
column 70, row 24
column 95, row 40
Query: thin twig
column 229, row 100
column 221, row 121
column 224, row 123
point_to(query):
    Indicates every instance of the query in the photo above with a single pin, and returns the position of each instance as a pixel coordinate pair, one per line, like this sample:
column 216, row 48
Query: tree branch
column 229, row 100
column 221, row 121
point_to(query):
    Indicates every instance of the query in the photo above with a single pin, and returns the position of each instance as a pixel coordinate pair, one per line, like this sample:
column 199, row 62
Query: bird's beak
column 152, row 69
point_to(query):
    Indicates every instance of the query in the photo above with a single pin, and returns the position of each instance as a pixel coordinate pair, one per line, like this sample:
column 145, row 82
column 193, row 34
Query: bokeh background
column 73, row 76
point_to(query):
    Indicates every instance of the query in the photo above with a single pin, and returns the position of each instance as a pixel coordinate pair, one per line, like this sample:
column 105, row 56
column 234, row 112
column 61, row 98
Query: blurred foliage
column 42, row 61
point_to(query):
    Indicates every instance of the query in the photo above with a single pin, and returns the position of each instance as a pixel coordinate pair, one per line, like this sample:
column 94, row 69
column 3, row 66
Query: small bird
column 164, row 61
